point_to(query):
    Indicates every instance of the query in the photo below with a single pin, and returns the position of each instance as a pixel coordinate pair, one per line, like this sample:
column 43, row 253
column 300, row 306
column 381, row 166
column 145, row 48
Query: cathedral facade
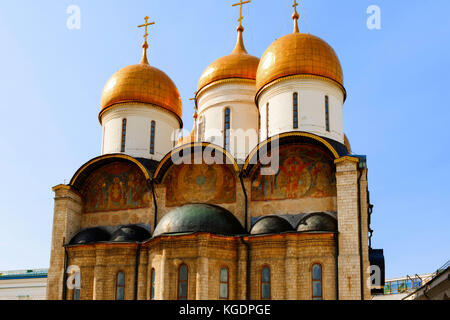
column 262, row 200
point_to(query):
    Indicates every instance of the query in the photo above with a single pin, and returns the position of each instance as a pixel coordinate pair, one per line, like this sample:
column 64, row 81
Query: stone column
column 66, row 223
column 365, row 231
column 241, row 278
column 101, row 276
column 202, row 283
column 143, row 272
column 292, row 270
column 348, row 228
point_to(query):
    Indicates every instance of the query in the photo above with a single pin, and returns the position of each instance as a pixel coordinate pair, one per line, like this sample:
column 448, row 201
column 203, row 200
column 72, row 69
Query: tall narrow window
column 152, row 137
column 265, row 284
column 317, row 282
column 124, row 135
column 120, row 286
column 295, row 107
column 327, row 113
column 183, row 282
column 227, row 126
column 153, row 283
column 77, row 290
column 223, row 284
column 267, row 120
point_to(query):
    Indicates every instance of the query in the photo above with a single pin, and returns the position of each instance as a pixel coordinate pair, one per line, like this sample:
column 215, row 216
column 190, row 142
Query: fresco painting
column 199, row 183
column 117, row 186
column 305, row 172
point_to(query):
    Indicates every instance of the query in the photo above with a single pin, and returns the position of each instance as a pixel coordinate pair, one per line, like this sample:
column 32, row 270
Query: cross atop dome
column 145, row 45
column 241, row 4
column 295, row 16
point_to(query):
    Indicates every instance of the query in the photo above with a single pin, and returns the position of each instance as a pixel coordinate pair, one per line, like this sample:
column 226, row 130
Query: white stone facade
column 239, row 96
column 278, row 101
column 138, row 130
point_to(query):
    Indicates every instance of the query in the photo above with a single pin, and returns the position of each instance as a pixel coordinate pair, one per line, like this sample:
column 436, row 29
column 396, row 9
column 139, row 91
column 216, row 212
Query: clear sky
column 397, row 112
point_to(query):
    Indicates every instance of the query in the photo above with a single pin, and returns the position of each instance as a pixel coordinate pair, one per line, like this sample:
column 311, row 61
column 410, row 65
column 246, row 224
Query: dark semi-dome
column 199, row 218
column 130, row 233
column 90, row 235
column 318, row 222
column 271, row 225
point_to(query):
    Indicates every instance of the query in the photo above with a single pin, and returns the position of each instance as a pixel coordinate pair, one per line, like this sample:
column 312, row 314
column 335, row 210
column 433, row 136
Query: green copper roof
column 199, row 218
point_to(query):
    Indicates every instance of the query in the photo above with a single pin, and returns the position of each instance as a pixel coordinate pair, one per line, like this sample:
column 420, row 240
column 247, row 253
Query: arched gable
column 301, row 167
column 335, row 149
column 113, row 183
column 198, row 173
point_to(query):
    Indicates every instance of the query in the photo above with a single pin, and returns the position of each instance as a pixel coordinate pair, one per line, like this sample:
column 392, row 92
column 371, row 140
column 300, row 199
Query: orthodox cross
column 295, row 5
column 241, row 3
column 146, row 25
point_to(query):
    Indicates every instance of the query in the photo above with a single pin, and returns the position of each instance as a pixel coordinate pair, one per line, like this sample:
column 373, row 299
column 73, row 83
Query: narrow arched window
column 124, row 135
column 152, row 137
column 183, row 278
column 265, row 284
column 223, row 285
column 227, row 126
column 120, row 286
column 153, row 284
column 77, row 289
column 295, row 110
column 317, row 282
column 267, row 120
column 327, row 113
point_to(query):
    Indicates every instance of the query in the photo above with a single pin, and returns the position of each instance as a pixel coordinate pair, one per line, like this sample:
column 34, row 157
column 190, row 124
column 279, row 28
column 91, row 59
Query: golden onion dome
column 299, row 54
column 142, row 83
column 239, row 64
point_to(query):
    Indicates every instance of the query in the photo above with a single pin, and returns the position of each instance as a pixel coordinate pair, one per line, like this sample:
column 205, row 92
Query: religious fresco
column 305, row 171
column 117, row 186
column 199, row 183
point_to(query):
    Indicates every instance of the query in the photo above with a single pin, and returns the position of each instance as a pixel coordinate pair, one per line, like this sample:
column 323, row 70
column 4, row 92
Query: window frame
column 313, row 281
column 227, row 131
column 152, row 136
column 295, row 104
column 120, row 286
column 124, row 135
column 180, row 281
column 265, row 282
column 227, row 283
column 75, row 290
column 327, row 113
column 152, row 284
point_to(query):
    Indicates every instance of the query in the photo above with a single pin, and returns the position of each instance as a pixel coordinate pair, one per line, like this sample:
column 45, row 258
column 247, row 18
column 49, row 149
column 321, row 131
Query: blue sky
column 397, row 111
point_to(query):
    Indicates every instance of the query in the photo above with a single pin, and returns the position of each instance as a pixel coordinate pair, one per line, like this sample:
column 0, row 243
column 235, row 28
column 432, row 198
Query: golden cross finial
column 146, row 25
column 241, row 3
column 295, row 5
column 145, row 45
column 295, row 16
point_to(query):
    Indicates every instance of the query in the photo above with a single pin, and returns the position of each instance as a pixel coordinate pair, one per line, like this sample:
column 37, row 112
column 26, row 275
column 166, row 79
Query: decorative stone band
column 299, row 76
column 163, row 109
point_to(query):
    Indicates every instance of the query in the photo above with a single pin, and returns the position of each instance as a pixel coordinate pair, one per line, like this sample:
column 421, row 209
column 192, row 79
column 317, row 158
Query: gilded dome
column 239, row 64
column 142, row 83
column 298, row 54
